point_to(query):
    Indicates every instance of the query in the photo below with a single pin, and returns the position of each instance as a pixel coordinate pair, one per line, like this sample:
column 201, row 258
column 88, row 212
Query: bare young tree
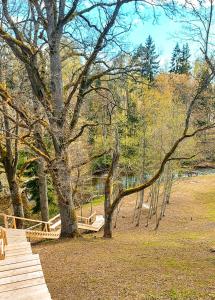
column 204, row 14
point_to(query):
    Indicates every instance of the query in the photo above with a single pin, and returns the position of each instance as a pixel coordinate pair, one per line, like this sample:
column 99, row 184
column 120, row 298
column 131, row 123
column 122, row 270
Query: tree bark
column 60, row 172
column 107, row 207
column 108, row 225
column 44, row 207
column 139, row 208
column 109, row 189
column 16, row 201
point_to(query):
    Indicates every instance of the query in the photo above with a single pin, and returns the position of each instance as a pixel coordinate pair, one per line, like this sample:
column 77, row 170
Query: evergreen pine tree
column 147, row 57
column 176, row 60
column 180, row 60
column 185, row 55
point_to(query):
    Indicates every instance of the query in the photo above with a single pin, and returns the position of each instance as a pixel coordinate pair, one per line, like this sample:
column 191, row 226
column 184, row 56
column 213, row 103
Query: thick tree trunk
column 44, row 207
column 139, row 208
column 68, row 221
column 62, row 181
column 16, row 202
column 108, row 226
column 107, row 209
column 41, row 174
column 25, row 204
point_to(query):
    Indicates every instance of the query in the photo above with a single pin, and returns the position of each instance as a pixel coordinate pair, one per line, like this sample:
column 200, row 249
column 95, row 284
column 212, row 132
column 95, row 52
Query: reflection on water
column 131, row 180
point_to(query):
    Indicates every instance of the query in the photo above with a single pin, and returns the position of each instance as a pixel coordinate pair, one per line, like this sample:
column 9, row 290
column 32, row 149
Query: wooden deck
column 21, row 275
column 84, row 225
column 95, row 226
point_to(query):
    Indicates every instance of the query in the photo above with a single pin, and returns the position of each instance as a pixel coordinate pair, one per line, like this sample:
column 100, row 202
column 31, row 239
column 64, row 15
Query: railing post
column 5, row 237
column 5, row 221
column 14, row 223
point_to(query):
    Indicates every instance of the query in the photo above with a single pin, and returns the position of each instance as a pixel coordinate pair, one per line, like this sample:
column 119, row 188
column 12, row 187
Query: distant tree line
column 147, row 58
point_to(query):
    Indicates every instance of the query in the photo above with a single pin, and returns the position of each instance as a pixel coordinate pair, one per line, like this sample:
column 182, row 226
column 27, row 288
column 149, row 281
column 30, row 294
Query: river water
column 131, row 180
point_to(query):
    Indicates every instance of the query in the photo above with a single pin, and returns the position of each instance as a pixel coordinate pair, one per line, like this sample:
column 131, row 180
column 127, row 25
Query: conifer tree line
column 180, row 63
column 148, row 59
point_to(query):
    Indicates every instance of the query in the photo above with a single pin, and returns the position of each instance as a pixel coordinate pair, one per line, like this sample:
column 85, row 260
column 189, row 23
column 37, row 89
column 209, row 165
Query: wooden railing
column 52, row 220
column 87, row 220
column 10, row 222
column 38, row 234
column 3, row 242
column 33, row 231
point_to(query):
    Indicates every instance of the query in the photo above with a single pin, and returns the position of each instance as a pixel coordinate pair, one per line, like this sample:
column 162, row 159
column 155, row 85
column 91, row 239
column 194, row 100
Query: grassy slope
column 139, row 263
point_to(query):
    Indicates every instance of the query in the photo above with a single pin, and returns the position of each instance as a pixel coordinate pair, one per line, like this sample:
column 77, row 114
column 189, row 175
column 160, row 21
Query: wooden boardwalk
column 88, row 224
column 21, row 275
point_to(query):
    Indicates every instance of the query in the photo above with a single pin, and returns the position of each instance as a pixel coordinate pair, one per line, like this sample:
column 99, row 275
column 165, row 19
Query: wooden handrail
column 34, row 226
column 24, row 219
column 87, row 219
column 54, row 218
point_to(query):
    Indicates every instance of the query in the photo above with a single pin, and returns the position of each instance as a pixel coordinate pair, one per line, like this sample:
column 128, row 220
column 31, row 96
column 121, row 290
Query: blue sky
column 165, row 33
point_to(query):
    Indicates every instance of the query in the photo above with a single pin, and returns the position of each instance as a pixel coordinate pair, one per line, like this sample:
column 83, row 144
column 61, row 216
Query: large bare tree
column 36, row 31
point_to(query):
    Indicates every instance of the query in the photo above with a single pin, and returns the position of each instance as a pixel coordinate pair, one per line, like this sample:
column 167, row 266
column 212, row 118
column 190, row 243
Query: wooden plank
column 18, row 246
column 20, row 271
column 15, row 248
column 21, row 277
column 9, row 230
column 16, row 240
column 28, row 293
column 15, row 232
column 20, row 250
column 24, row 252
column 22, row 284
column 22, row 258
column 18, row 265
column 96, row 226
column 16, row 235
column 25, row 290
column 38, row 295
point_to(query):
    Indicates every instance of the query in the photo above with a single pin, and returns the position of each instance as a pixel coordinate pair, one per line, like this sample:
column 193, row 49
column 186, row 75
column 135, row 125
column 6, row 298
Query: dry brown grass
column 139, row 263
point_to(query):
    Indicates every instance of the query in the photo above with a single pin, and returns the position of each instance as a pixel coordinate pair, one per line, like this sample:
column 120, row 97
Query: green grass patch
column 208, row 198
column 161, row 244
column 178, row 264
column 187, row 235
column 175, row 294
column 96, row 201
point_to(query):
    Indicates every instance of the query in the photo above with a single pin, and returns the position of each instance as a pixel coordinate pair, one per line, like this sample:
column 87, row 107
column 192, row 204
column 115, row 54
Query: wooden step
column 18, row 265
column 18, row 252
column 18, row 246
column 20, row 271
column 9, row 230
column 15, row 233
column 21, row 284
column 11, row 240
column 14, row 260
column 21, row 277
column 28, row 293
